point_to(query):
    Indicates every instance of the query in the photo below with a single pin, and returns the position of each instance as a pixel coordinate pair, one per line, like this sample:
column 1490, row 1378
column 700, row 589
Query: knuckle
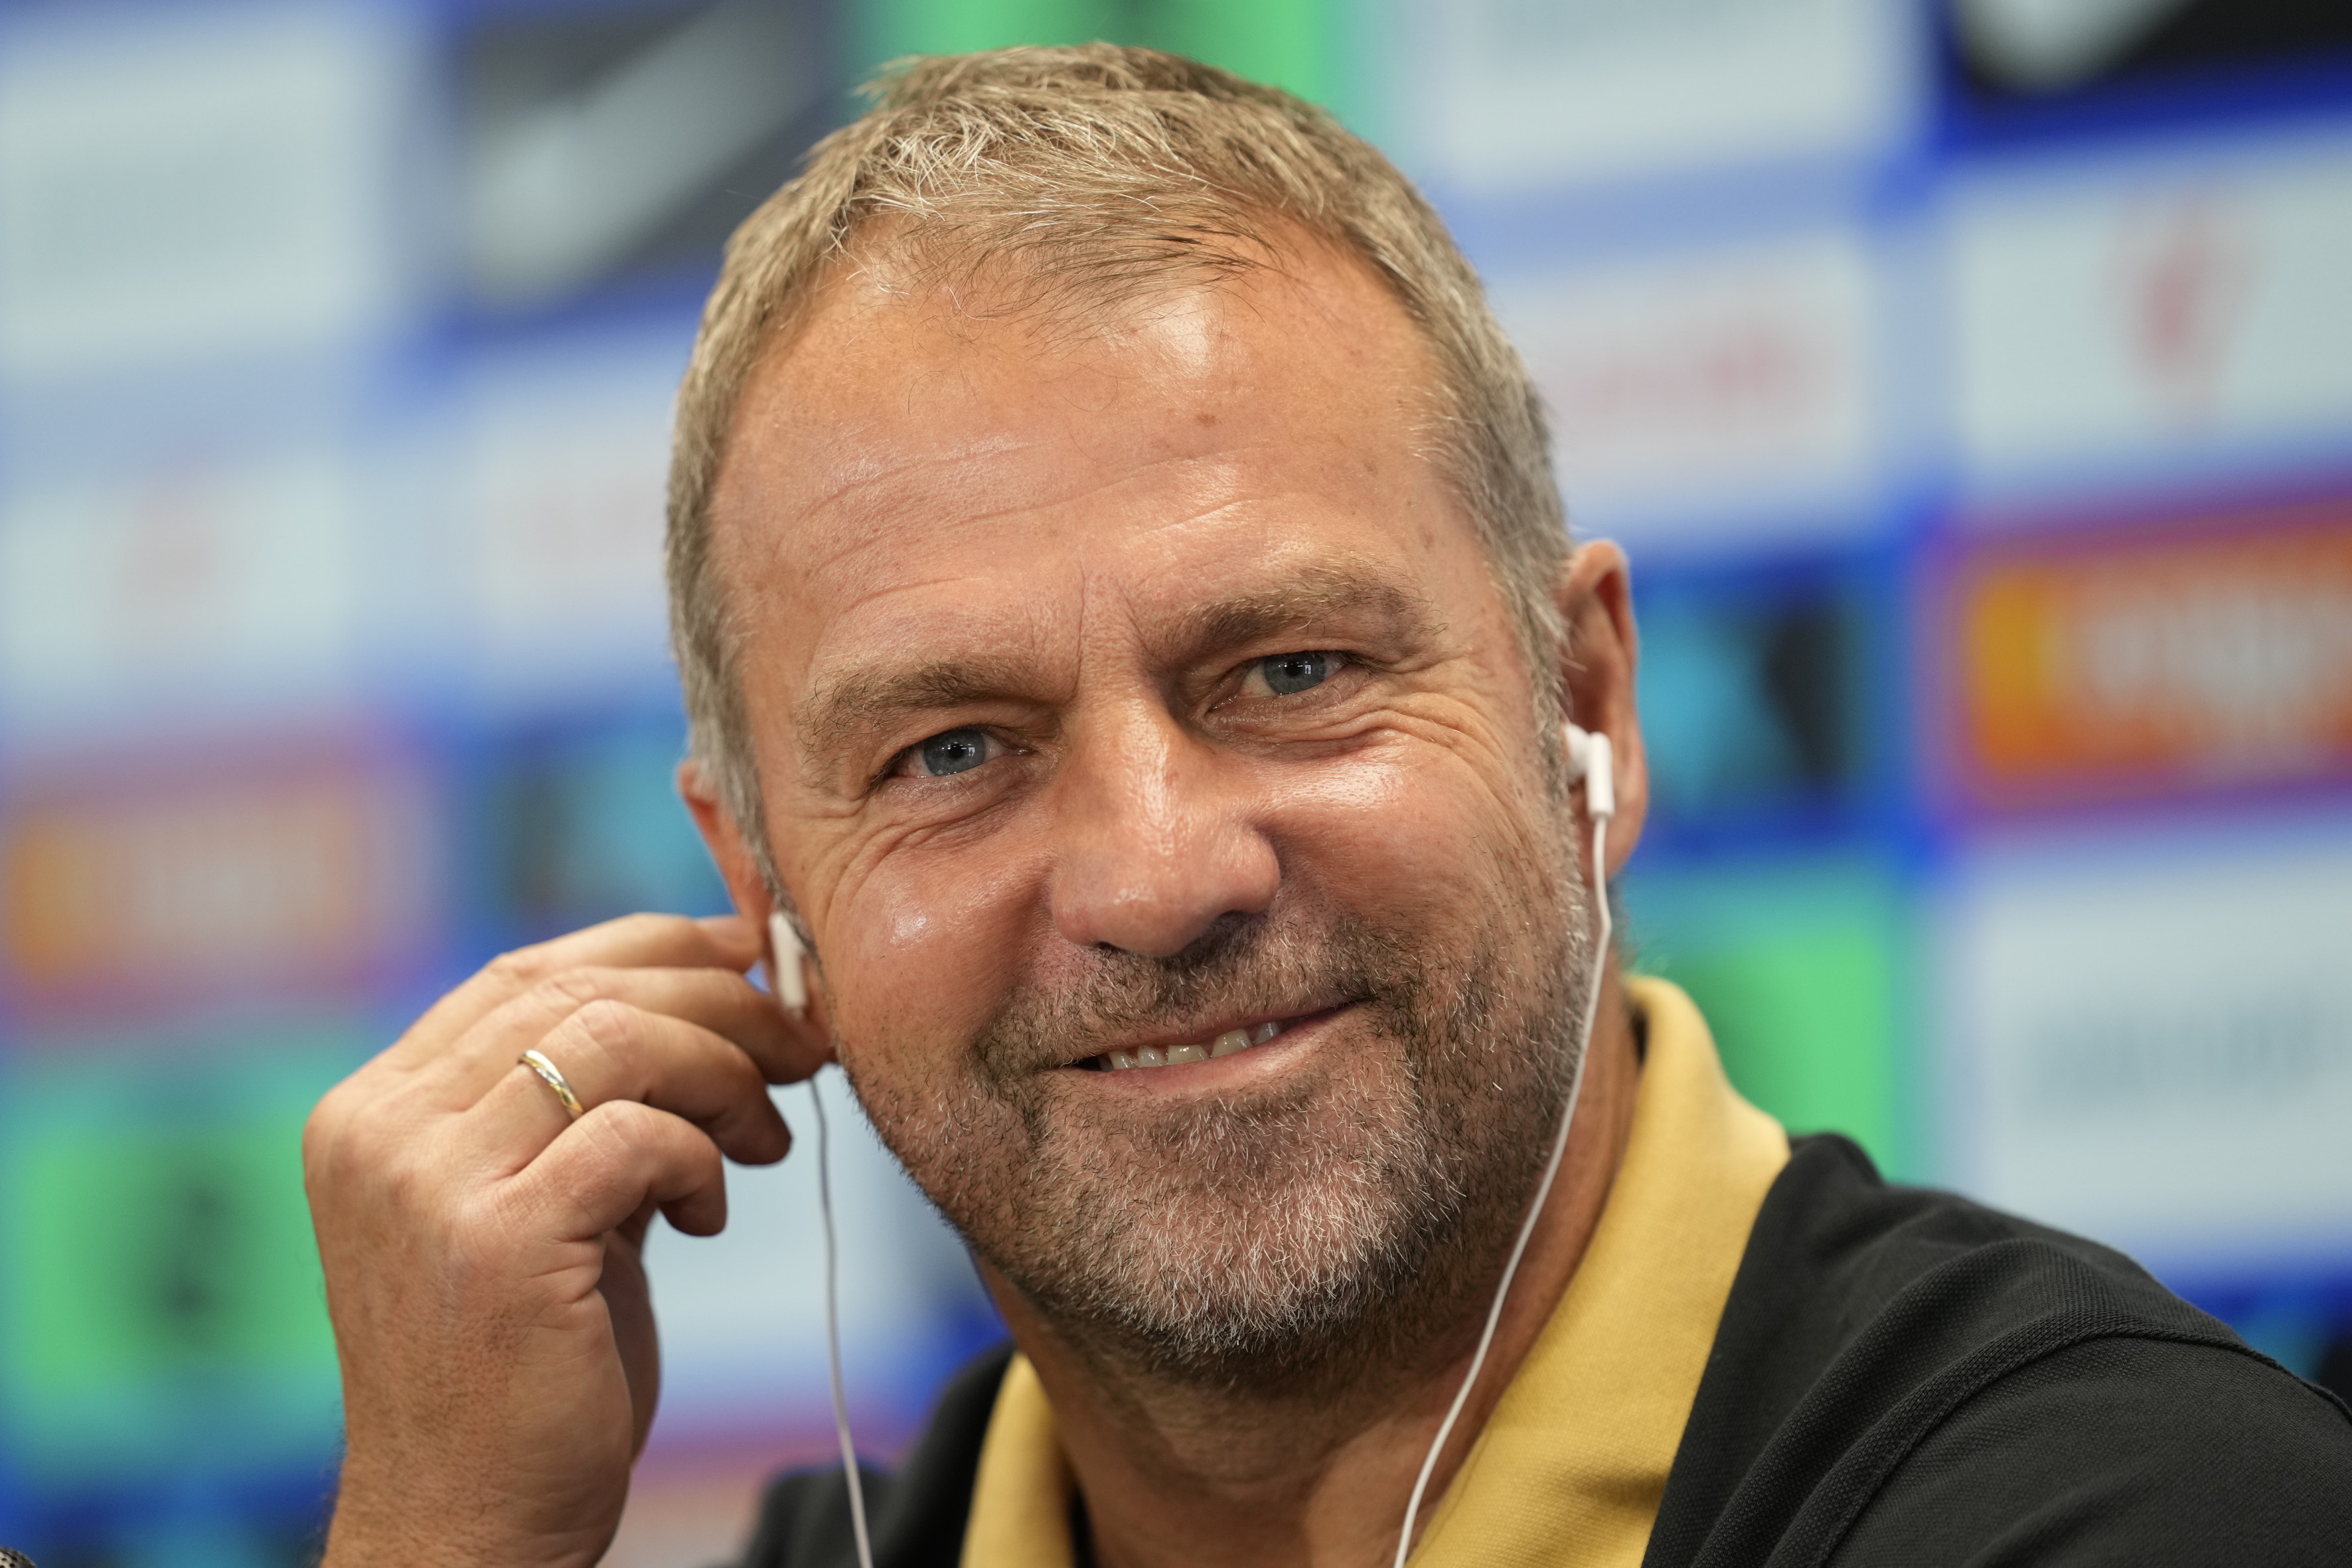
column 410, row 1178
column 569, row 990
column 651, row 923
column 501, row 1211
column 602, row 1039
column 520, row 967
column 321, row 1138
column 623, row 1124
column 326, row 1120
column 627, row 1138
column 609, row 1136
column 335, row 1137
column 477, row 1234
column 609, row 1026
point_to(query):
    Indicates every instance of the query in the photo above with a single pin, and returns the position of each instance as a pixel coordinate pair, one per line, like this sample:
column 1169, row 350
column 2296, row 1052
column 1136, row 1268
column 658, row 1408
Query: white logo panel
column 1523, row 93
column 1709, row 383
column 2154, row 313
column 183, row 186
column 2159, row 1051
column 208, row 580
column 568, row 461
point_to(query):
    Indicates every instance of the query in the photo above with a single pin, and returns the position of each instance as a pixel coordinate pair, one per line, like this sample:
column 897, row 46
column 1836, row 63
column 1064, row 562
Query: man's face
column 1139, row 693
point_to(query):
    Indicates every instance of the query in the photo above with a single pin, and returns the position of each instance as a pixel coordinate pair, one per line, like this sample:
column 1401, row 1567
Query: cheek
column 1412, row 828
column 922, row 955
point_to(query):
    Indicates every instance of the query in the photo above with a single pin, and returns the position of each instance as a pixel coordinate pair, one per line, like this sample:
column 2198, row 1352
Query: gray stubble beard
column 1293, row 1240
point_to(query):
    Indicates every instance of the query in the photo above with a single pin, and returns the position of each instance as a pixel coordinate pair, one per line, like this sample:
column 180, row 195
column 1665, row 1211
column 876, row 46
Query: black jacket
column 1901, row 1377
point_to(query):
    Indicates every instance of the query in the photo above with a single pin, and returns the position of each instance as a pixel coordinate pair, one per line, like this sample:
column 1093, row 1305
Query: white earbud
column 1591, row 760
column 785, row 950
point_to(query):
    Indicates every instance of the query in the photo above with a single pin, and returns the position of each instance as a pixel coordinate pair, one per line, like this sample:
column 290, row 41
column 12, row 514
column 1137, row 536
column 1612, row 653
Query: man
column 1129, row 632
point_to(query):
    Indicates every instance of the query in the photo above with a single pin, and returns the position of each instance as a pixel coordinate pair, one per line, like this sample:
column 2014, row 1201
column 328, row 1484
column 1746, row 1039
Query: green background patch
column 1292, row 44
column 1802, row 970
column 164, row 1309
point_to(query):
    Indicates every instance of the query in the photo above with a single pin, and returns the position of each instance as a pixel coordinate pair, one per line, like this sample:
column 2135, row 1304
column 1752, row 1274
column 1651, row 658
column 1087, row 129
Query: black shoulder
column 917, row 1515
column 2124, row 1450
column 1864, row 1317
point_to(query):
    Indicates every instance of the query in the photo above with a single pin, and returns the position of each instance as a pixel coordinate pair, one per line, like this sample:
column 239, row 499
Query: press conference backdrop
column 1971, row 387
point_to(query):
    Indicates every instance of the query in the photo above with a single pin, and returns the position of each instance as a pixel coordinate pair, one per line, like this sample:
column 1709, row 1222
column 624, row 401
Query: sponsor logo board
column 2170, row 658
column 2154, row 1047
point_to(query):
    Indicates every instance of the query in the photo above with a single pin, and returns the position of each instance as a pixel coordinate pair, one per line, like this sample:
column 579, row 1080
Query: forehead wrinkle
column 846, row 555
column 864, row 474
column 875, row 519
column 855, row 477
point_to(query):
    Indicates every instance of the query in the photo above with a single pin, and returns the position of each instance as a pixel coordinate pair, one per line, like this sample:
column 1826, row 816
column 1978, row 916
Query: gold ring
column 552, row 1076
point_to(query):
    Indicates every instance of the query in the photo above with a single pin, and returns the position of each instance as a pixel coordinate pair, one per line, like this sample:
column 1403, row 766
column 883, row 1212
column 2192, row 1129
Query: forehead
column 914, row 460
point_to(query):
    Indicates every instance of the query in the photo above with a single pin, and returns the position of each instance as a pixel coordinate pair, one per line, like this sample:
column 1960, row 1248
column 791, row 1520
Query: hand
column 483, row 1249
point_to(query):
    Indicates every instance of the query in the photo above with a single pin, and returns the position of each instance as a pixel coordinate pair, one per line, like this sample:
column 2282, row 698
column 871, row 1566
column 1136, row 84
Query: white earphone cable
column 833, row 1334
column 1543, row 1189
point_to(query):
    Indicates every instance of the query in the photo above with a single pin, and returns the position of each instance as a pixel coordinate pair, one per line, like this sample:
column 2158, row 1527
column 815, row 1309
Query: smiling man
column 1130, row 636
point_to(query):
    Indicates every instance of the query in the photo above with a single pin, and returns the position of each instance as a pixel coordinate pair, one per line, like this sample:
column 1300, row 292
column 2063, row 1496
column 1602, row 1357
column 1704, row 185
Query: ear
column 745, row 886
column 1594, row 595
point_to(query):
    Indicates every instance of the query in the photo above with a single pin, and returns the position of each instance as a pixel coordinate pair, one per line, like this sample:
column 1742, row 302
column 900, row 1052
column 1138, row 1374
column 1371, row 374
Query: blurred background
column 1971, row 384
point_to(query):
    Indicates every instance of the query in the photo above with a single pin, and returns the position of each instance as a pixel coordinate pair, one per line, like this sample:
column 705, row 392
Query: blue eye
column 1288, row 674
column 953, row 752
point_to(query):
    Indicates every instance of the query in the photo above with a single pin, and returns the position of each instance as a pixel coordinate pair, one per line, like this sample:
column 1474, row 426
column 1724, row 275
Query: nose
column 1157, row 840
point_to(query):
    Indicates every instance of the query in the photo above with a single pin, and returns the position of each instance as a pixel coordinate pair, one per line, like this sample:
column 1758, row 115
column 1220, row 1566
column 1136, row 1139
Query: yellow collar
column 1572, row 1463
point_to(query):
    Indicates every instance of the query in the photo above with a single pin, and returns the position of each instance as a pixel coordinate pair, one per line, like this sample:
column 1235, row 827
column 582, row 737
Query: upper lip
column 1202, row 1034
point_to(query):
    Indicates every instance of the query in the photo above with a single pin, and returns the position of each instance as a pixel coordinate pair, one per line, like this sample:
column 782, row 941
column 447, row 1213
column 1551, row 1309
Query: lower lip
column 1219, row 1072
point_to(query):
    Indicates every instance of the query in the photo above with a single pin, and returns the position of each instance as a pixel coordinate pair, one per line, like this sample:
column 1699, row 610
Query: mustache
column 1245, row 966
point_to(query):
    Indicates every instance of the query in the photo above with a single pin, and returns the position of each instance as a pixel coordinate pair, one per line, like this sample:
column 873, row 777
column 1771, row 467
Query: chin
column 1235, row 1239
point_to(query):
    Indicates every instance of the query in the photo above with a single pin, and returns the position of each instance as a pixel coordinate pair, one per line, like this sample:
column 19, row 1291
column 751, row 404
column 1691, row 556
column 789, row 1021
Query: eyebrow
column 841, row 710
column 1310, row 595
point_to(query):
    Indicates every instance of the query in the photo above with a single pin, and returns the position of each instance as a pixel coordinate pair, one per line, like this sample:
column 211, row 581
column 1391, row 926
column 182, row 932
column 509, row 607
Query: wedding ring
column 552, row 1076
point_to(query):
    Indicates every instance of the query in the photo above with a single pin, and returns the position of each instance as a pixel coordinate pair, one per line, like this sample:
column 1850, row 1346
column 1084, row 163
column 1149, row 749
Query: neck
column 1179, row 1474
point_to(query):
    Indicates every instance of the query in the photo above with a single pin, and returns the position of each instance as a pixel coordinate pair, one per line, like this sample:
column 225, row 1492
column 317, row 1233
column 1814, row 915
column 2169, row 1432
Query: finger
column 628, row 1300
column 782, row 1050
column 610, row 1051
column 616, row 1159
column 633, row 941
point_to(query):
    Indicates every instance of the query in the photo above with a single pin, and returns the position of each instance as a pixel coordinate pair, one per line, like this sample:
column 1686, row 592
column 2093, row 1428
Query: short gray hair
column 1074, row 170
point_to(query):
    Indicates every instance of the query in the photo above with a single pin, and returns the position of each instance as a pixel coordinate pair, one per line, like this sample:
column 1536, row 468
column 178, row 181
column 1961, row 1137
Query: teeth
column 1224, row 1045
